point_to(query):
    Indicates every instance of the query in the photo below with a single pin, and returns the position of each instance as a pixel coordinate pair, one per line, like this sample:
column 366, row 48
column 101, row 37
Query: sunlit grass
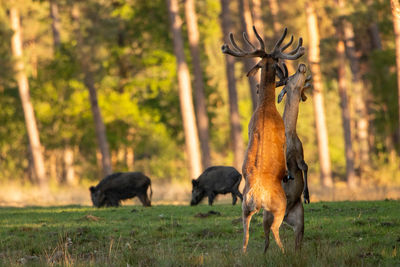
column 336, row 234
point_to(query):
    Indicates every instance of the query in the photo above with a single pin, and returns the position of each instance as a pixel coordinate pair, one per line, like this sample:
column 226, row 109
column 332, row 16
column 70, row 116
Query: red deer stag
column 294, row 89
column 264, row 164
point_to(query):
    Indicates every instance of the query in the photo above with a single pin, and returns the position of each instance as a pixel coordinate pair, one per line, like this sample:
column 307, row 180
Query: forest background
column 105, row 80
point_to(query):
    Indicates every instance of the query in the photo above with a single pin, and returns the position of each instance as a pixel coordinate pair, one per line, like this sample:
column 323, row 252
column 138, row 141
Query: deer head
column 276, row 54
column 293, row 85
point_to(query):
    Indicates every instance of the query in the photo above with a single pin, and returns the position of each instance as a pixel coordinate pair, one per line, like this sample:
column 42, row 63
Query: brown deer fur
column 264, row 165
column 294, row 89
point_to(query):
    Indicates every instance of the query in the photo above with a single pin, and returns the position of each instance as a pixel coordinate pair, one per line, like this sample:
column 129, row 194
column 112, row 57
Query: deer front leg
column 304, row 167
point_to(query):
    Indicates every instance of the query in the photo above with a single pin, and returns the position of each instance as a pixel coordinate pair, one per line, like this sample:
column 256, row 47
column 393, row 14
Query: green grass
column 336, row 234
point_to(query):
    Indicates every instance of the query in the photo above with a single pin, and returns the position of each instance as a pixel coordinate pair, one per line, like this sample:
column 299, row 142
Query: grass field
column 336, row 234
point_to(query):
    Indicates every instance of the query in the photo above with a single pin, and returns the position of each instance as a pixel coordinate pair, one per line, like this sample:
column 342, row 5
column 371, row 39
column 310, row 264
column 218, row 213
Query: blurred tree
column 247, row 27
column 342, row 86
column 88, row 70
column 23, row 85
column 185, row 93
column 361, row 120
column 274, row 9
column 55, row 23
column 318, row 100
column 396, row 25
column 200, row 99
column 257, row 17
column 234, row 117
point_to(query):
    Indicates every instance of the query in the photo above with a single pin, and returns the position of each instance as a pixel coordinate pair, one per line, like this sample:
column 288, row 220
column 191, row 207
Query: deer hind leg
column 279, row 213
column 248, row 212
column 268, row 218
column 295, row 218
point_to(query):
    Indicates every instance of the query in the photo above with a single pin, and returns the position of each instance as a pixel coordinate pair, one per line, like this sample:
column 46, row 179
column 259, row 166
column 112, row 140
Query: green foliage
column 127, row 46
column 336, row 233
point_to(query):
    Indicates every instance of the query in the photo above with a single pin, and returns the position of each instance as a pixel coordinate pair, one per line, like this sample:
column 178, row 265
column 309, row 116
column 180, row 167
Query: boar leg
column 236, row 191
column 295, row 218
column 144, row 199
column 234, row 198
column 211, row 197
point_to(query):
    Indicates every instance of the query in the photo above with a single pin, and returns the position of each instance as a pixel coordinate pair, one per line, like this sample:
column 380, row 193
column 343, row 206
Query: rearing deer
column 264, row 163
column 294, row 89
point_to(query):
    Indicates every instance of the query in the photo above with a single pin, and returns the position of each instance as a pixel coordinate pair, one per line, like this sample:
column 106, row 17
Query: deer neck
column 290, row 114
column 267, row 84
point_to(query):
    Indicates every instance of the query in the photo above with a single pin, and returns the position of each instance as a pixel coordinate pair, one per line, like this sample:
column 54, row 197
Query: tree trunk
column 69, row 170
column 129, row 158
column 274, row 9
column 200, row 99
column 247, row 24
column 89, row 82
column 396, row 25
column 185, row 92
column 55, row 24
column 236, row 137
column 361, row 115
column 257, row 17
column 349, row 154
column 318, row 98
column 23, row 86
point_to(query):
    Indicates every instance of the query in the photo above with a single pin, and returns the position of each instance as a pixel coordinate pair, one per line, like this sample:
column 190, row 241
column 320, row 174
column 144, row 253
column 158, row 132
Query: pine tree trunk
column 349, row 153
column 257, row 17
column 361, row 114
column 236, row 137
column 69, row 170
column 200, row 99
column 185, row 92
column 55, row 24
column 23, row 86
column 247, row 24
column 89, row 82
column 274, row 9
column 396, row 25
column 318, row 98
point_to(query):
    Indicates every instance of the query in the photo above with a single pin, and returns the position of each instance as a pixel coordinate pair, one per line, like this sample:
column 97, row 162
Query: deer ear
column 92, row 189
column 303, row 97
column 281, row 95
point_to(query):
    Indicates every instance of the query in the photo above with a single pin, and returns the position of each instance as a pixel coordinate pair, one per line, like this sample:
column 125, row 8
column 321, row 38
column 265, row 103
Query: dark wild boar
column 216, row 180
column 120, row 186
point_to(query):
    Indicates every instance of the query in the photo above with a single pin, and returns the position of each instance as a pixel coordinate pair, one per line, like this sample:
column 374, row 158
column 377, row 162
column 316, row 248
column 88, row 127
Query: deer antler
column 282, row 74
column 238, row 52
column 277, row 52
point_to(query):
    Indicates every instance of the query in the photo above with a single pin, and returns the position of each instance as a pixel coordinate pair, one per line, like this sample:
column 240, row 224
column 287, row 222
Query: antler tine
column 260, row 40
column 234, row 43
column 278, row 44
column 282, row 74
column 246, row 38
column 281, row 95
column 288, row 44
column 294, row 51
column 286, row 70
column 279, row 71
column 238, row 52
